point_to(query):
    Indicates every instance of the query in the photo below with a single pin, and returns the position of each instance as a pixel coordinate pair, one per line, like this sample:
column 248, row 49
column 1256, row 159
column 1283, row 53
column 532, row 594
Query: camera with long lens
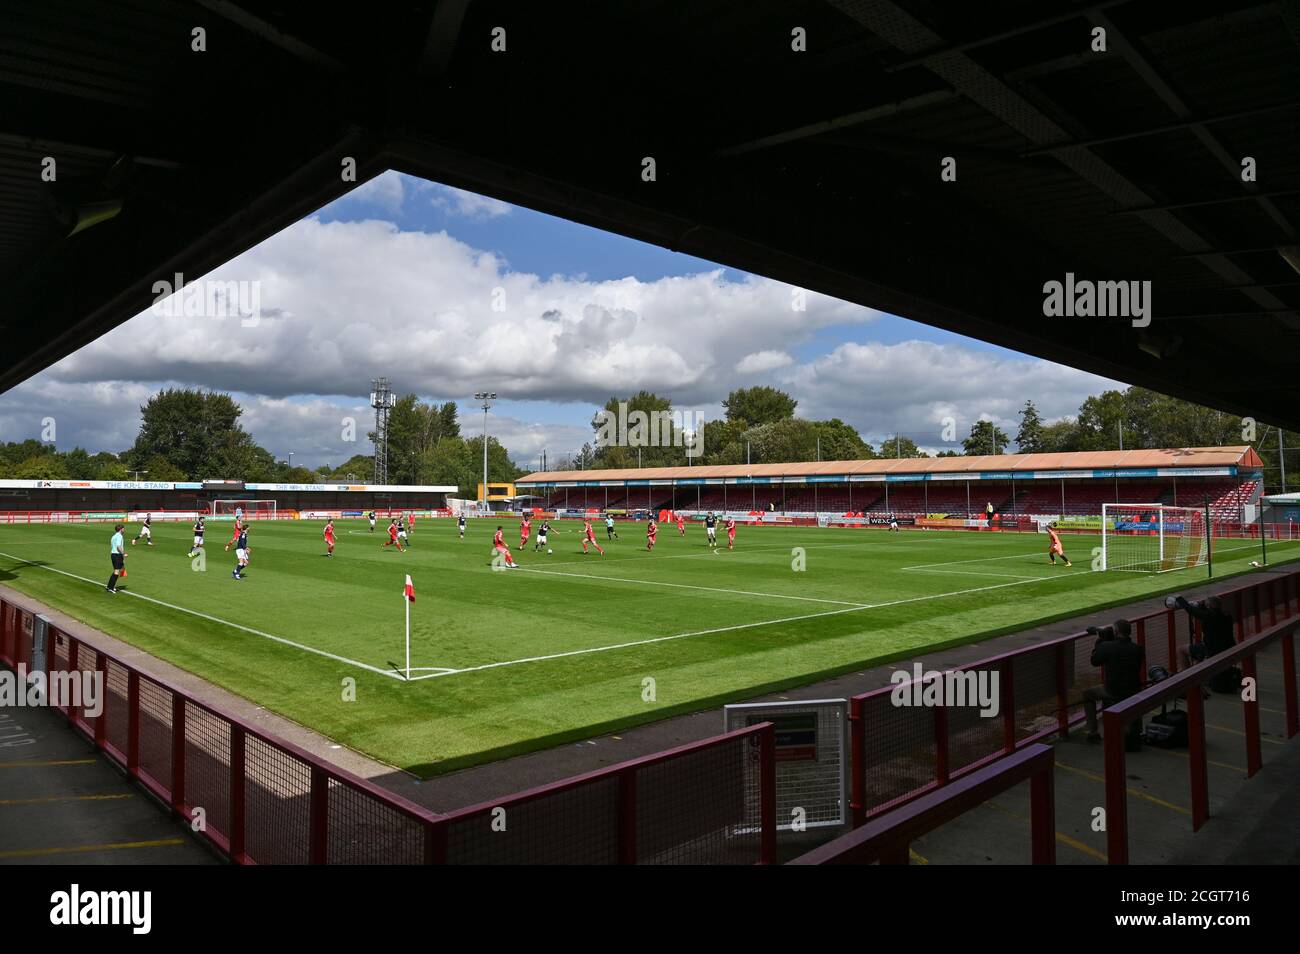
column 1102, row 632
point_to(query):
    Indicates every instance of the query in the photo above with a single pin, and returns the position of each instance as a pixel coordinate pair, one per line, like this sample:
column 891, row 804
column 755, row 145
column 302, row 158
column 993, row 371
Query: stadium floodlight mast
column 485, row 399
column 382, row 399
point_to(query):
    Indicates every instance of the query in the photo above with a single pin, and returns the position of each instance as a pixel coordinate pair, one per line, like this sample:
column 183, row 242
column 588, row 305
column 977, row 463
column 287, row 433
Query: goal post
column 253, row 509
column 1153, row 538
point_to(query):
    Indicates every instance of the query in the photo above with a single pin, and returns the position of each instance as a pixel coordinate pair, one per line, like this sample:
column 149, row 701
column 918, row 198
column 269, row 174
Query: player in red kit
column 1056, row 548
column 651, row 530
column 393, row 541
column 681, row 525
column 239, row 526
column 589, row 536
column 525, row 529
column 731, row 533
column 329, row 537
column 499, row 544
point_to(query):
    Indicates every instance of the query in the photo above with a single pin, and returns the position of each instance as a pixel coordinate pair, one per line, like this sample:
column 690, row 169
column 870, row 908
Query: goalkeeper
column 1056, row 549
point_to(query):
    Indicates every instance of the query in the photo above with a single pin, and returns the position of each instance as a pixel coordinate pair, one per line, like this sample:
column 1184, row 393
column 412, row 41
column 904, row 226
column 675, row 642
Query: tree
column 1029, row 439
column 448, row 424
column 19, row 452
column 720, row 437
column 236, row 457
column 1100, row 419
column 986, row 438
column 187, row 429
column 621, row 433
column 760, row 405
column 900, row 445
column 160, row 468
column 284, row 474
column 361, row 467
column 414, row 429
column 39, row 467
column 1058, row 437
column 840, row 441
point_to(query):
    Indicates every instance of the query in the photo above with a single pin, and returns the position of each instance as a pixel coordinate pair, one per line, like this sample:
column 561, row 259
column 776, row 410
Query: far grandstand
column 62, row 501
column 1012, row 491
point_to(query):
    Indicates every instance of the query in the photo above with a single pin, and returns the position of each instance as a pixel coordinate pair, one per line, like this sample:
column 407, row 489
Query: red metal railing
column 1188, row 685
column 264, row 800
column 899, row 753
column 888, row 839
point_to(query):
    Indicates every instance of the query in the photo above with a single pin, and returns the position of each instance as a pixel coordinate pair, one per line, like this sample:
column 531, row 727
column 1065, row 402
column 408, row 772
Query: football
column 548, row 550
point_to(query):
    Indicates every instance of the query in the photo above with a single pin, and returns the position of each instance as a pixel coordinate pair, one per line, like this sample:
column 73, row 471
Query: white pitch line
column 214, row 619
column 1013, row 556
column 1009, row 576
column 728, row 629
column 743, row 551
column 688, row 586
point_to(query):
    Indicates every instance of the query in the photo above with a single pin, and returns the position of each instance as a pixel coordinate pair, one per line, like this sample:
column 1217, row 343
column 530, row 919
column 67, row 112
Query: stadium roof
column 820, row 168
column 1185, row 457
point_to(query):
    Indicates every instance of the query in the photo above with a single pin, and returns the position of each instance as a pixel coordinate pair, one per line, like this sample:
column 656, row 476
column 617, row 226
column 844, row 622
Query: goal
column 1153, row 538
column 253, row 509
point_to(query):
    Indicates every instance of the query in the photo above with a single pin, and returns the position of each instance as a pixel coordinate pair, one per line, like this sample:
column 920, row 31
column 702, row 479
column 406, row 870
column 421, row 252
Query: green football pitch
column 566, row 645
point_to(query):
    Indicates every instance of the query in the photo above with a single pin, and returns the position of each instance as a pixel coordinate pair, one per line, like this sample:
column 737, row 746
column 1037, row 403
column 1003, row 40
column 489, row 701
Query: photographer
column 1217, row 636
column 1122, row 660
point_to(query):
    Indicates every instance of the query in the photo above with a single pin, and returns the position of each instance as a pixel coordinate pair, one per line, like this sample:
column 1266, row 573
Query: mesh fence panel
column 277, row 805
column 117, row 722
column 363, row 830
column 692, row 809
column 87, row 660
column 156, row 732
column 1157, row 644
column 8, row 634
column 60, row 660
column 577, row 825
column 811, row 759
column 900, row 750
column 1034, row 678
column 1250, row 608
column 971, row 735
column 207, row 765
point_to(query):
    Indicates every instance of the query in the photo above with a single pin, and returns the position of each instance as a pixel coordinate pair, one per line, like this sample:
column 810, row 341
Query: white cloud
column 471, row 205
column 384, row 192
column 761, row 361
column 913, row 386
column 343, row 302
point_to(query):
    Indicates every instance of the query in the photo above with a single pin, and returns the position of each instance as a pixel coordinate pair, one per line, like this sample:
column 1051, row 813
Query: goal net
column 251, row 509
column 1153, row 538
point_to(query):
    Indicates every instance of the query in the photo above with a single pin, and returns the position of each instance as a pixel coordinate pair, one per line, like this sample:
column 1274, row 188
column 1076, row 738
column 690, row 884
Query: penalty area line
column 214, row 619
column 688, row 586
column 731, row 629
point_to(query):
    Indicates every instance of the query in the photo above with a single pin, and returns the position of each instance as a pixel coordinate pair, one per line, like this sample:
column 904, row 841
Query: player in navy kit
column 241, row 553
column 198, row 537
column 460, row 525
column 146, row 531
column 711, row 527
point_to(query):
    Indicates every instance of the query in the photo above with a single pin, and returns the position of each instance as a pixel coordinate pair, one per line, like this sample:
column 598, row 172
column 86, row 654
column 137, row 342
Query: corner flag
column 408, row 592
